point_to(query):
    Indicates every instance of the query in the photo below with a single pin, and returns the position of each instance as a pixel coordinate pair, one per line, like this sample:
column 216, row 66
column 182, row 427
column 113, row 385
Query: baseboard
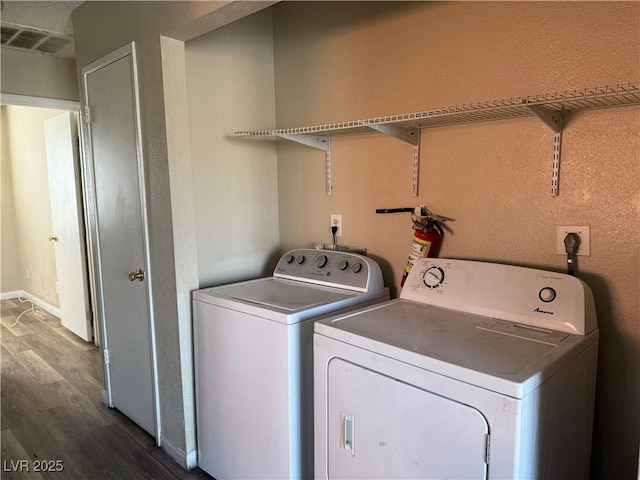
column 55, row 311
column 10, row 295
column 188, row 461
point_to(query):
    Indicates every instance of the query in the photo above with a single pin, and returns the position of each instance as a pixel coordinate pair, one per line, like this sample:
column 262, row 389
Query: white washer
column 478, row 370
column 253, row 350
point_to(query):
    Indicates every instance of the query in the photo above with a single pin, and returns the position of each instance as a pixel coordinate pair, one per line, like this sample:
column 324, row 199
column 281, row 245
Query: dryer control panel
column 527, row 296
column 330, row 268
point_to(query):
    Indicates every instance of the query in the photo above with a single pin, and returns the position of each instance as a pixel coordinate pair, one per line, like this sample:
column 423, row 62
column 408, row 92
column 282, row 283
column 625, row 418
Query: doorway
column 29, row 247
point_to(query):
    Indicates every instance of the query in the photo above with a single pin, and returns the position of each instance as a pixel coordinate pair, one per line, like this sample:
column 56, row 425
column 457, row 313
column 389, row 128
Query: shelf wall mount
column 554, row 120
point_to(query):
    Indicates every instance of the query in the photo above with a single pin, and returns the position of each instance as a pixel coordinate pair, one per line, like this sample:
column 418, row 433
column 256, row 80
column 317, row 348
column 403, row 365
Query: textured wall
column 26, row 157
column 37, row 75
column 10, row 271
column 235, row 186
column 338, row 61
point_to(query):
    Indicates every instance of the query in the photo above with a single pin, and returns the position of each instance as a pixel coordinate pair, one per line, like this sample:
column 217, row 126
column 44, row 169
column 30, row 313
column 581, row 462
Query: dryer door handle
column 348, row 431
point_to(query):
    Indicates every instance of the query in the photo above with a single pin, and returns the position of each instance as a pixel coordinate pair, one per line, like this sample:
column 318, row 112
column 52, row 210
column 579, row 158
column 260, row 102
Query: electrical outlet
column 336, row 221
column 585, row 239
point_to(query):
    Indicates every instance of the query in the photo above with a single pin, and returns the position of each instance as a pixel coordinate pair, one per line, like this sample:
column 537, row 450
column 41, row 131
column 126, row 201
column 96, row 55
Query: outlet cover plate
column 585, row 239
column 336, row 220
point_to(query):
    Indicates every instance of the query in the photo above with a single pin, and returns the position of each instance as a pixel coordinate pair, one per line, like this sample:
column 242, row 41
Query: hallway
column 52, row 414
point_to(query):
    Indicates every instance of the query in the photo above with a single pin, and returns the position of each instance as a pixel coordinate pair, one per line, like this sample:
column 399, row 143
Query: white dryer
column 478, row 370
column 253, row 352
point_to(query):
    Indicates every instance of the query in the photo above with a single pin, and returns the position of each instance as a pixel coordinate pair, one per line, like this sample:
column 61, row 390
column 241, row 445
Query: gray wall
column 36, row 75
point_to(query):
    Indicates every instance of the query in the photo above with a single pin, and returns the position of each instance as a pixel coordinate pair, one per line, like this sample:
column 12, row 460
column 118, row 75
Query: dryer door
column 379, row 427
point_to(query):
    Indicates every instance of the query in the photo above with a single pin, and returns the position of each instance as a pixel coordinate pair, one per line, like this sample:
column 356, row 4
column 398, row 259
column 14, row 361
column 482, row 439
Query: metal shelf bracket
column 410, row 136
column 321, row 142
column 551, row 118
column 407, row 135
column 554, row 120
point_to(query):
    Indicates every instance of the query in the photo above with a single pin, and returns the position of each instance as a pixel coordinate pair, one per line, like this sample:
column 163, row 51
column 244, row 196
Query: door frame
column 127, row 50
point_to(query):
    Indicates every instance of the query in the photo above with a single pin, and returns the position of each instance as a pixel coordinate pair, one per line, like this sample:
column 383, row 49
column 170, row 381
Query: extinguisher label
column 419, row 249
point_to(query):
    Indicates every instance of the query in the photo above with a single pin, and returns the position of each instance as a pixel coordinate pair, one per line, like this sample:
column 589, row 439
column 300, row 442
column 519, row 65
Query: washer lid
column 287, row 295
column 498, row 355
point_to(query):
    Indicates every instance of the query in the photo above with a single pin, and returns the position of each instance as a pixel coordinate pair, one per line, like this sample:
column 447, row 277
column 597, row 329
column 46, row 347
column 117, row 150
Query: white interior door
column 120, row 244
column 68, row 233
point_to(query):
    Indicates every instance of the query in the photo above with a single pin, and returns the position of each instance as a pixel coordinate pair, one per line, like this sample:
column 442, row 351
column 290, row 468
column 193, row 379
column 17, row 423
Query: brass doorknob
column 53, row 238
column 138, row 275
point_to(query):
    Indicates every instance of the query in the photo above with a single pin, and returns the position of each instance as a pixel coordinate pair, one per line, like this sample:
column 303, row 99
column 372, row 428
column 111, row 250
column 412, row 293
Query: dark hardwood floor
column 53, row 419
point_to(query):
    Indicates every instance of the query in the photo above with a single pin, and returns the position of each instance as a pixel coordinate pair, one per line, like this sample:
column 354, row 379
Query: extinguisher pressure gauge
column 433, row 277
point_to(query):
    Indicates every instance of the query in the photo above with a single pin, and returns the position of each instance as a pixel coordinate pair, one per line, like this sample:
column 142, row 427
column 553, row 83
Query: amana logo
column 543, row 311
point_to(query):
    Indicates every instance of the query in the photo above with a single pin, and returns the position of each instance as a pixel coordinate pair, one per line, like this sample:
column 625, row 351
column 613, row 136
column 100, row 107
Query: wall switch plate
column 585, row 239
column 336, row 221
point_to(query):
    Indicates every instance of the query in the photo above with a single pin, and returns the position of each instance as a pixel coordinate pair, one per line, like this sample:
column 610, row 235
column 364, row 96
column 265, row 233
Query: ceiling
column 38, row 26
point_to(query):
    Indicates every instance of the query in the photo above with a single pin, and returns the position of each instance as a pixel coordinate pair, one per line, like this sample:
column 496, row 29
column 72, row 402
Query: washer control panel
column 331, row 268
column 524, row 295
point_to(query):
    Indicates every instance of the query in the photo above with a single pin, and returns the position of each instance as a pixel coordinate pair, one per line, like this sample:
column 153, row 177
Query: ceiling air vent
column 34, row 40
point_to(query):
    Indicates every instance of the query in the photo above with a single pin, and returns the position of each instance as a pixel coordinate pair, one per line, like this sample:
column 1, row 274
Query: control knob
column 300, row 259
column 433, row 277
column 320, row 261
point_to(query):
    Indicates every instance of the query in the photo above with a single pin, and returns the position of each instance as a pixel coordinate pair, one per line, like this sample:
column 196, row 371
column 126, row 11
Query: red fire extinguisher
column 427, row 237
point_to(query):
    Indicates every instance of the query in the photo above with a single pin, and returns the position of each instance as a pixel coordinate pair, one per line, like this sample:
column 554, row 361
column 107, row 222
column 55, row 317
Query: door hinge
column 87, row 115
column 105, row 353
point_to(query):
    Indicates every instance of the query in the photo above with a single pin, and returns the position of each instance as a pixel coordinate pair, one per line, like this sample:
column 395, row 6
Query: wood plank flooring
column 53, row 418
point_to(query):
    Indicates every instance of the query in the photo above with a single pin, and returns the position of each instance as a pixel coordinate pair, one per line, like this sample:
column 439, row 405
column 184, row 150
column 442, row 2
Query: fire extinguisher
column 428, row 230
column 427, row 237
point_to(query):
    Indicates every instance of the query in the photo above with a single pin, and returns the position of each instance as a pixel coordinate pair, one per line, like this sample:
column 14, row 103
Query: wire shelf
column 585, row 99
column 548, row 107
